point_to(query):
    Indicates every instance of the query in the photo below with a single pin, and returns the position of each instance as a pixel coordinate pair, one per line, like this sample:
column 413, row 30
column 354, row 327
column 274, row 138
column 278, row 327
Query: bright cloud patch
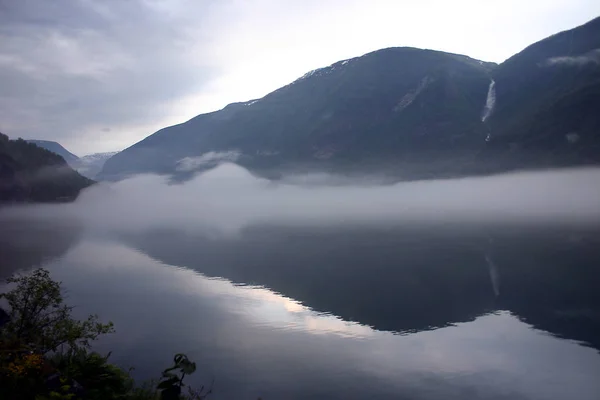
column 207, row 159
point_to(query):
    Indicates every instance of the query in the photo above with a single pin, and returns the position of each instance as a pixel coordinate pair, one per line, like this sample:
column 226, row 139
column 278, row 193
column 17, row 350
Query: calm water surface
column 429, row 312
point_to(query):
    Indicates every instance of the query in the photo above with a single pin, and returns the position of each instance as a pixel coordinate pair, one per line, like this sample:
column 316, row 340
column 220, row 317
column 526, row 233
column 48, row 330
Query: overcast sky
column 101, row 75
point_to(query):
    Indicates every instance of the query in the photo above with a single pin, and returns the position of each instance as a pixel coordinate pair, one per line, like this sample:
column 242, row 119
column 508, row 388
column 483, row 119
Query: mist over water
column 228, row 198
column 324, row 286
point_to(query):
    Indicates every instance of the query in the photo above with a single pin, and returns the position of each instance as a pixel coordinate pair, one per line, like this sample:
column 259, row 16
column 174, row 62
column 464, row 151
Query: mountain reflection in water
column 429, row 312
column 409, row 279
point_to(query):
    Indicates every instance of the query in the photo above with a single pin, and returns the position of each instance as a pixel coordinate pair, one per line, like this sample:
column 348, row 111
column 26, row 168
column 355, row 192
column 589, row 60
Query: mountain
column 29, row 173
column 56, row 148
column 90, row 165
column 393, row 105
column 418, row 113
column 547, row 102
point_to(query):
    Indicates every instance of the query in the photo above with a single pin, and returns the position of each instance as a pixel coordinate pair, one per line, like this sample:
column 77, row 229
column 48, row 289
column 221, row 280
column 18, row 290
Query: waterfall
column 489, row 102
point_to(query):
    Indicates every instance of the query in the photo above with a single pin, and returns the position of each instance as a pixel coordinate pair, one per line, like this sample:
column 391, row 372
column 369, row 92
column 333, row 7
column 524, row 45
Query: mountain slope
column 547, row 102
column 55, row 148
column 414, row 113
column 29, row 173
column 393, row 105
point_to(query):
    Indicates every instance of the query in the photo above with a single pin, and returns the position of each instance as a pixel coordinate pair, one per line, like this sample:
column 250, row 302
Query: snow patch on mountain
column 90, row 165
column 325, row 70
column 93, row 158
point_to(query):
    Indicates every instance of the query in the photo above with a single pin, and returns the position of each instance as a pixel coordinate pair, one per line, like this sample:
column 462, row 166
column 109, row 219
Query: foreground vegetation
column 46, row 354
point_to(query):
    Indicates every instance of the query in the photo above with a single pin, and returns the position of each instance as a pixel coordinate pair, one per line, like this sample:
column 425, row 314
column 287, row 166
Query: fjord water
column 351, row 311
column 320, row 287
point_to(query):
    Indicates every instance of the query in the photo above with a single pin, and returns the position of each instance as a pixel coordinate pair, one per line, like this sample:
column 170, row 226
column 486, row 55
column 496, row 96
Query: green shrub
column 40, row 322
column 45, row 353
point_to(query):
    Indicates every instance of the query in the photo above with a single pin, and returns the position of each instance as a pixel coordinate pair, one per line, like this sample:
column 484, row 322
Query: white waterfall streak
column 489, row 102
column 494, row 275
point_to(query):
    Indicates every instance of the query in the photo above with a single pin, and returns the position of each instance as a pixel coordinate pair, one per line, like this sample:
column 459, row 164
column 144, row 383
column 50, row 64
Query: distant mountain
column 417, row 113
column 29, row 173
column 92, row 164
column 88, row 166
column 55, row 148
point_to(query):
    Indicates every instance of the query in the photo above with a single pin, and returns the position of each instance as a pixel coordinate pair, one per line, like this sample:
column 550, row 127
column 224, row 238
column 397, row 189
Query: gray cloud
column 75, row 68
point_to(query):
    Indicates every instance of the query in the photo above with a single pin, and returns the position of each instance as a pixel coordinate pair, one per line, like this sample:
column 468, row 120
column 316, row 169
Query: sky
column 100, row 75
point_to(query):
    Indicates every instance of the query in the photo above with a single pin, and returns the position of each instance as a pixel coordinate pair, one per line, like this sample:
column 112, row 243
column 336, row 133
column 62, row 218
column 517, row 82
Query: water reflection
column 28, row 243
column 389, row 280
column 314, row 313
column 407, row 280
column 256, row 342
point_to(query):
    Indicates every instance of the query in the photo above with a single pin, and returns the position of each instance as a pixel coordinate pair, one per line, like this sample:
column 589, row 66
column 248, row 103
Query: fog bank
column 228, row 198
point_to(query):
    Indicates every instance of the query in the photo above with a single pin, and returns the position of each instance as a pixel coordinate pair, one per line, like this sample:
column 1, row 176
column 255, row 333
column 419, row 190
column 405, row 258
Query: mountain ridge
column 56, row 148
column 418, row 113
column 304, row 121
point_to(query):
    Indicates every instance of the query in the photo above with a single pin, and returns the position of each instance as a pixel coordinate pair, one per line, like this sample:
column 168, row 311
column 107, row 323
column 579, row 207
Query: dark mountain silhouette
column 55, row 148
column 29, row 173
column 414, row 113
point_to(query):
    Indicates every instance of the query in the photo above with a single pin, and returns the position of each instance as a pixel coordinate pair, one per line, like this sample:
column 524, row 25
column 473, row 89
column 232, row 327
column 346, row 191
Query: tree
column 40, row 322
column 44, row 352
